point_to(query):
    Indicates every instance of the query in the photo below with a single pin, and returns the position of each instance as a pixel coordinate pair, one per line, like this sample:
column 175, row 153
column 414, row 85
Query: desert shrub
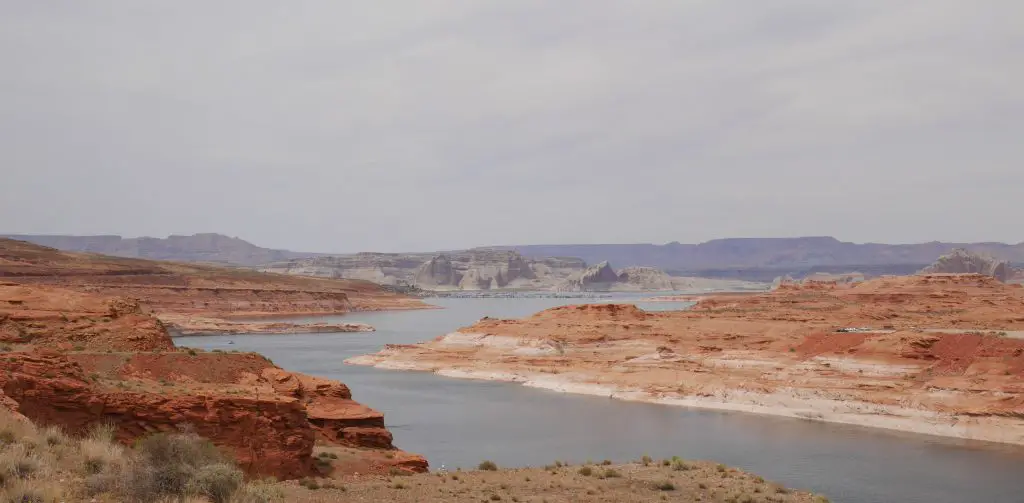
column 46, row 465
column 646, row 460
column 216, row 481
column 611, row 473
column 680, row 465
column 586, row 471
column 606, row 462
column 175, row 465
column 665, row 486
column 488, row 466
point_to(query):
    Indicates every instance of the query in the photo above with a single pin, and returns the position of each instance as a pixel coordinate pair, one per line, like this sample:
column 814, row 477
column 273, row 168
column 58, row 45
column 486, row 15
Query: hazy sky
column 419, row 125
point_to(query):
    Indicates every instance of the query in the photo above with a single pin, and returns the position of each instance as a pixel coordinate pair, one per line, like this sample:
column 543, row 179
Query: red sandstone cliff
column 77, row 357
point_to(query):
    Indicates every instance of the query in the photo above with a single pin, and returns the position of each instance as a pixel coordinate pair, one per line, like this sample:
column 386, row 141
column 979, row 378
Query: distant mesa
column 961, row 261
column 603, row 278
column 546, row 267
column 476, row 270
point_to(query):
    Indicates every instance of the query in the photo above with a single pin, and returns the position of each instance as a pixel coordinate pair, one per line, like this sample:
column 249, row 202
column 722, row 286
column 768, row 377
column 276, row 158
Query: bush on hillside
column 44, row 464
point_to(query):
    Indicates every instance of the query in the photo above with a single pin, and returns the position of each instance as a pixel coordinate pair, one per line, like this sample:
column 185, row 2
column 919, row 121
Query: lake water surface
column 458, row 423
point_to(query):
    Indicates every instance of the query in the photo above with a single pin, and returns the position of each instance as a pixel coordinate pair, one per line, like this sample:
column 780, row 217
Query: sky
column 343, row 126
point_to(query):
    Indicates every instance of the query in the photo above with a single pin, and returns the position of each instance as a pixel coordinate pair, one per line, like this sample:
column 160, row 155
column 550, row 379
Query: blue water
column 458, row 423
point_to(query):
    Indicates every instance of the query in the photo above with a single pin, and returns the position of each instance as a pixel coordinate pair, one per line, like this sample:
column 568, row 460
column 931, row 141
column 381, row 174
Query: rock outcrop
column 437, row 271
column 76, row 356
column 603, row 278
column 596, row 277
column 647, row 278
column 961, row 261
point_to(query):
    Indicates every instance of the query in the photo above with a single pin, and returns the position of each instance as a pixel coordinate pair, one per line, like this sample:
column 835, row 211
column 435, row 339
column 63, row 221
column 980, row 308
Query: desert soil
column 634, row 482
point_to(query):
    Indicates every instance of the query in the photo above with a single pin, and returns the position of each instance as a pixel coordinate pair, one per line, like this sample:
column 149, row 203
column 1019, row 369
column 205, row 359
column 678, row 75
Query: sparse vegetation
column 586, row 471
column 665, row 486
column 44, row 464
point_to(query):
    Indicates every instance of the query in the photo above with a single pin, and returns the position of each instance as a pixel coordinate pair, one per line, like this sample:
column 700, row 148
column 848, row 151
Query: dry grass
column 43, row 465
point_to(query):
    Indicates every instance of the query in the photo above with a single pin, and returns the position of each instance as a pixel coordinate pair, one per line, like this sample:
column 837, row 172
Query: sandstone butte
column 937, row 354
column 80, row 348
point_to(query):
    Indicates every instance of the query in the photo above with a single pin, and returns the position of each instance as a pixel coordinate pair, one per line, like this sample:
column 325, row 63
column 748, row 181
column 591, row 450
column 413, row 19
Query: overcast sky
column 421, row 124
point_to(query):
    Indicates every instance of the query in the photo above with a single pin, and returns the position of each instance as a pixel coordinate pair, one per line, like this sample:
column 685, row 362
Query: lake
column 458, row 423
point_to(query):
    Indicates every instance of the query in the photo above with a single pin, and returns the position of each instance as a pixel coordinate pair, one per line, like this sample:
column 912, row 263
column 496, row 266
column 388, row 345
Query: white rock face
column 961, row 261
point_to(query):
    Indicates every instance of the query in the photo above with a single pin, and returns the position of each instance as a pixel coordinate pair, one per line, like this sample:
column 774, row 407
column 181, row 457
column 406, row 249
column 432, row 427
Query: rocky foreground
column 641, row 481
column 938, row 354
column 80, row 349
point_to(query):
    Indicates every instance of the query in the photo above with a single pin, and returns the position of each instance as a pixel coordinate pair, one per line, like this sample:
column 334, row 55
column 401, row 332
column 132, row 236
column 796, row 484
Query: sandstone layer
column 76, row 355
column 938, row 354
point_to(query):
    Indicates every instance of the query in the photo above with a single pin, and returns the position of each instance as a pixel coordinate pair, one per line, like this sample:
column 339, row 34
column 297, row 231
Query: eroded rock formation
column 77, row 357
column 961, row 261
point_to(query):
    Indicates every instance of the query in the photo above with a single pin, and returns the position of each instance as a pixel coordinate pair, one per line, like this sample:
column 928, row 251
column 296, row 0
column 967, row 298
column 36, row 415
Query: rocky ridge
column 208, row 247
column 181, row 292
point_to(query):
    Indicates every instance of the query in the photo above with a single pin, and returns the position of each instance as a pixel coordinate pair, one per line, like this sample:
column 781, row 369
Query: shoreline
column 184, row 326
column 284, row 315
column 990, row 429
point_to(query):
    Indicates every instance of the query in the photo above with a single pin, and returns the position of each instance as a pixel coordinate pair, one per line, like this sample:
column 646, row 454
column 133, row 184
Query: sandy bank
column 793, row 403
column 188, row 325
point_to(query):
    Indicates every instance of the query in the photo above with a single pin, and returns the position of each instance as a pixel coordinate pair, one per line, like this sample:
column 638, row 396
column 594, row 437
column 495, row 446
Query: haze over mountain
column 759, row 259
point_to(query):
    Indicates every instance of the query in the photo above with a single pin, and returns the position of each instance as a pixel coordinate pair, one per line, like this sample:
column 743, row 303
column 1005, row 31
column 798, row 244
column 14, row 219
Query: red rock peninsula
column 939, row 354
